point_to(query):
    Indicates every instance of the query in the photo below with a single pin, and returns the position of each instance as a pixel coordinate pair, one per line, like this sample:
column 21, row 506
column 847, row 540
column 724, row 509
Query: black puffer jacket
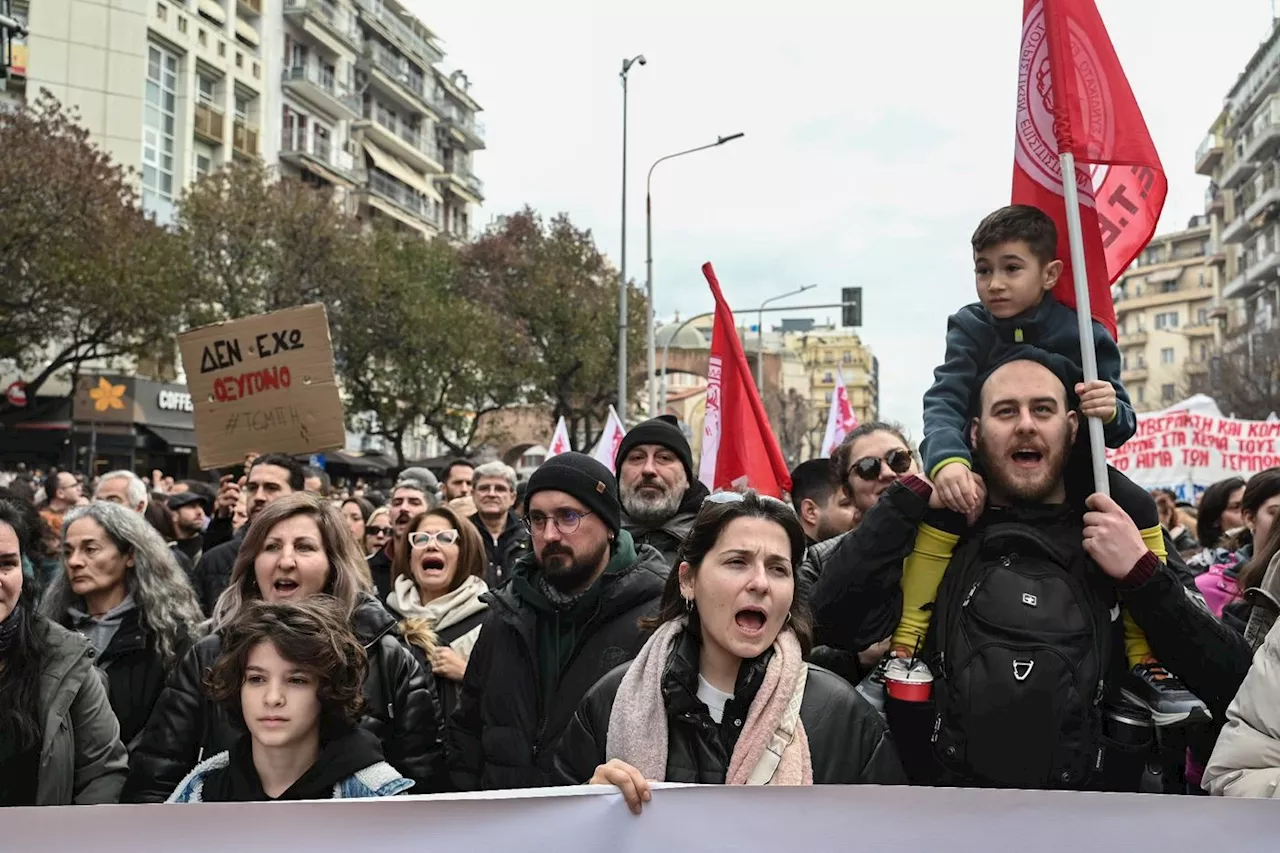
column 848, row 742
column 213, row 572
column 502, row 735
column 403, row 712
column 501, row 556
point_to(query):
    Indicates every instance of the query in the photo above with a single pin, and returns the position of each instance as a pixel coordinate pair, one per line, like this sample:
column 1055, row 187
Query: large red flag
column 738, row 445
column 1073, row 97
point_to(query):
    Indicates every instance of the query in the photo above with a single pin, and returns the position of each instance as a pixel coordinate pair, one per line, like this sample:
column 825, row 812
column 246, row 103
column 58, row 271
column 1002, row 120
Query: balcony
column 317, row 87
column 1133, row 339
column 337, row 22
column 1209, row 155
column 460, row 179
column 1136, row 374
column 399, row 77
column 314, row 153
column 402, row 196
column 1263, row 267
column 1213, row 200
column 374, row 14
column 404, row 141
column 1195, row 368
column 1237, row 288
column 1236, row 168
column 244, row 138
column 466, row 128
column 210, row 123
column 252, row 8
column 1265, row 131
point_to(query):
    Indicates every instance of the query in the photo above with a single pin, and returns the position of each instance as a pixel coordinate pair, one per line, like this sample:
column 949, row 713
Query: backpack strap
column 767, row 766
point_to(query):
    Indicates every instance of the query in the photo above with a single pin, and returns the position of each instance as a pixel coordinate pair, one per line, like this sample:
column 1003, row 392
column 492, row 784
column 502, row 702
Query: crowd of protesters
column 973, row 613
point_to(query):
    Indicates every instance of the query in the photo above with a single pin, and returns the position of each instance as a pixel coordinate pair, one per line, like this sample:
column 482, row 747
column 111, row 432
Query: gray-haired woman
column 121, row 588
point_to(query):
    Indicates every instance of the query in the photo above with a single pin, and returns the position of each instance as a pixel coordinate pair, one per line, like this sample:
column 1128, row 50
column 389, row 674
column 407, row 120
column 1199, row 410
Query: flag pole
column 1080, row 279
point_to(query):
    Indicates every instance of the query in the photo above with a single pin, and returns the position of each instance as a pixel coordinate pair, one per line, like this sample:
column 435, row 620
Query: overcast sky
column 877, row 136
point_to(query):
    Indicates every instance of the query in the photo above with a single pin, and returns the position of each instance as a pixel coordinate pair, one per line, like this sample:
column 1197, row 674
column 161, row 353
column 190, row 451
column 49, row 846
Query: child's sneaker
column 1170, row 702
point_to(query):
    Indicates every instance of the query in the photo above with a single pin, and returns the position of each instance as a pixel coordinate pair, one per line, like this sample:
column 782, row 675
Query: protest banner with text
column 263, row 384
column 1187, row 449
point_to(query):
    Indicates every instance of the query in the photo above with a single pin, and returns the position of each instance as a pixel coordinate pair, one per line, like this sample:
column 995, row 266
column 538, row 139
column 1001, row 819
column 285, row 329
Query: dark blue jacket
column 977, row 341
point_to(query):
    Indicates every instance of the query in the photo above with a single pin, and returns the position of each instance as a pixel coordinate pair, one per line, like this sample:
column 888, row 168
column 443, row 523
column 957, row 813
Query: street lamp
column 648, row 262
column 666, row 348
column 760, row 334
column 622, row 288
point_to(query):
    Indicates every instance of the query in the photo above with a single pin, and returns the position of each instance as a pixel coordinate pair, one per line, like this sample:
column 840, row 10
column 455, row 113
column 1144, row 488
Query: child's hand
column 956, row 485
column 1097, row 399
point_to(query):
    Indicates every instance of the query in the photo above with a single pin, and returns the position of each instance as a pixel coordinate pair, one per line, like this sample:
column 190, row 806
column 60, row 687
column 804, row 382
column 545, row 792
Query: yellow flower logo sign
column 106, row 396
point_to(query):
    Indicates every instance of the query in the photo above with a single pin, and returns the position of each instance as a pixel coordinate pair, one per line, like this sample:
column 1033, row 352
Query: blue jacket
column 977, row 342
column 377, row 780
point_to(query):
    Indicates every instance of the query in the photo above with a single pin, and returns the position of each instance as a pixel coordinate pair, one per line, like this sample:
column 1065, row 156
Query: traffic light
column 852, row 310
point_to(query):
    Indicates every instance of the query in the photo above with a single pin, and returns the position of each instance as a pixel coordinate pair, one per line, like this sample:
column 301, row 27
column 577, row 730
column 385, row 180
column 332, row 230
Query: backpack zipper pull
column 969, row 596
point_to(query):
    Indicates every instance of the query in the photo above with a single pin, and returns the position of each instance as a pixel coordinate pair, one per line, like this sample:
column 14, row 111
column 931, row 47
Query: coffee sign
column 174, row 401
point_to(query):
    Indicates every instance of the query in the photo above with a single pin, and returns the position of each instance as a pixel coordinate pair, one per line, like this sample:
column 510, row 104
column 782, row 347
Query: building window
column 182, row 23
column 158, row 126
column 222, row 48
column 1204, row 352
column 242, row 108
column 1142, row 394
column 1166, row 355
column 162, row 11
column 828, row 377
column 1167, row 320
column 1169, row 287
column 1167, row 393
column 239, row 59
column 828, row 397
column 1203, row 284
column 203, row 38
column 205, row 87
column 1202, row 316
column 203, row 165
column 847, row 357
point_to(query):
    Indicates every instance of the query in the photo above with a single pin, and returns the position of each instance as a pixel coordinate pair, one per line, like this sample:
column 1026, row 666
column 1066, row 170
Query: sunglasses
column 379, row 531
column 424, row 538
column 737, row 497
column 868, row 467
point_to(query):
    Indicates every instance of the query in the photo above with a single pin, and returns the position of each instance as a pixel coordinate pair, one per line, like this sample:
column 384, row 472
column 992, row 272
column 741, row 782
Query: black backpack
column 1021, row 645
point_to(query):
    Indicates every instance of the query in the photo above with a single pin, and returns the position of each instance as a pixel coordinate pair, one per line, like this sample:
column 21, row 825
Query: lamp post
column 666, row 348
column 648, row 262
column 622, row 273
column 760, row 334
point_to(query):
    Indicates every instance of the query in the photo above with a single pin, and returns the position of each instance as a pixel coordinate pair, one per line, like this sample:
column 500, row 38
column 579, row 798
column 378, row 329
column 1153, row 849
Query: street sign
column 852, row 312
column 16, row 394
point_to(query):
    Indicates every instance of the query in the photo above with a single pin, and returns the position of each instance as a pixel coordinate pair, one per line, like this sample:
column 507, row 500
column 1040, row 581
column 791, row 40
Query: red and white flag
column 841, row 421
column 1073, row 96
column 559, row 440
column 738, row 445
column 610, row 440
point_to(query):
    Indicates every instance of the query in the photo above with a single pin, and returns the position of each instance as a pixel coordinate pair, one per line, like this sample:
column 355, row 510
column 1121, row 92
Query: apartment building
column 828, row 353
column 1165, row 314
column 1241, row 155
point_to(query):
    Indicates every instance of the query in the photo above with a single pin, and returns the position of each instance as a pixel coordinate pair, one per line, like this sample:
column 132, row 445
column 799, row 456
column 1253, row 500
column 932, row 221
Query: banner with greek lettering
column 705, row 819
column 1191, row 450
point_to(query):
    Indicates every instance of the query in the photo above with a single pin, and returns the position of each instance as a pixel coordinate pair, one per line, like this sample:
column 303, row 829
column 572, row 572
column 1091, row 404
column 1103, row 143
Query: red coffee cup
column 908, row 682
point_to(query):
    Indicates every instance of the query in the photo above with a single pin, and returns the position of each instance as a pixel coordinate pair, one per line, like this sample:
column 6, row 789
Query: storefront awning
column 172, row 436
column 1161, row 276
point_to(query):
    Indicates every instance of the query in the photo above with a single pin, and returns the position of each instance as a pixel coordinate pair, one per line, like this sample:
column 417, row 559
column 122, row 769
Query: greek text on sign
column 261, row 384
column 1176, row 448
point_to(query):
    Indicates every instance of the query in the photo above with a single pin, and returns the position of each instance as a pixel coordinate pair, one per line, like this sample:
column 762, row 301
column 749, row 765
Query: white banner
column 606, row 451
column 703, row 818
column 559, row 440
column 1185, row 449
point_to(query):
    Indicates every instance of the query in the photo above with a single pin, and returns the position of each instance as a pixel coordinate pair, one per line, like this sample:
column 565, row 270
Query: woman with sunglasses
column 437, row 579
column 721, row 693
column 377, row 532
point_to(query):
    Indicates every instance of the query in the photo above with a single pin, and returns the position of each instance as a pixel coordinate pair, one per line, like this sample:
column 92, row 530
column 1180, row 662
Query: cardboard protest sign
column 1177, row 448
column 263, row 384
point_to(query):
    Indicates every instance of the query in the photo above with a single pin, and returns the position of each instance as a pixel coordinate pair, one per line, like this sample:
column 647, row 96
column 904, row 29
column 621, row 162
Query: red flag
column 738, row 445
column 1073, row 97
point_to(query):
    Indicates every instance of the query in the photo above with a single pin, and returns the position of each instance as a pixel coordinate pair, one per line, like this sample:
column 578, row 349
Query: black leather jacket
column 402, row 711
column 848, row 742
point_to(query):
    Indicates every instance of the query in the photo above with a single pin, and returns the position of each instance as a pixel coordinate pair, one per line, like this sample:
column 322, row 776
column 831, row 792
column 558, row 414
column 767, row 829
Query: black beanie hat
column 584, row 478
column 663, row 430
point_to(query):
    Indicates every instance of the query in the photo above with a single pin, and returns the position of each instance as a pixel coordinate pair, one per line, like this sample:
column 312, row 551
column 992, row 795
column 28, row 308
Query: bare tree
column 1245, row 379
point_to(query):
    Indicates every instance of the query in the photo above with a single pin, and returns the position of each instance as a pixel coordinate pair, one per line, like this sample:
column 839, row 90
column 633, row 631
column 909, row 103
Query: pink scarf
column 638, row 723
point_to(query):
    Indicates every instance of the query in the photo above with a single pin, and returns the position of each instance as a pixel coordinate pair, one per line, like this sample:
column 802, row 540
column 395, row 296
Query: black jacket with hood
column 213, row 572
column 502, row 556
column 667, row 536
column 848, row 742
column 533, row 664
column 403, row 712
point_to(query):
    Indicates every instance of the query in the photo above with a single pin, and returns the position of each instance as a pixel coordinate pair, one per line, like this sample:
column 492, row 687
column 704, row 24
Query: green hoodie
column 559, row 629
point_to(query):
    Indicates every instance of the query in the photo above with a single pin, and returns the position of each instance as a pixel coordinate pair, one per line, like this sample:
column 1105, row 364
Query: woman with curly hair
column 122, row 589
column 290, row 676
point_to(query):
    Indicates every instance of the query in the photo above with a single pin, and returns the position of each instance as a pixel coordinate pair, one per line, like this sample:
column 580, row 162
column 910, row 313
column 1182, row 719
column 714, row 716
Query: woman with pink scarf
column 721, row 693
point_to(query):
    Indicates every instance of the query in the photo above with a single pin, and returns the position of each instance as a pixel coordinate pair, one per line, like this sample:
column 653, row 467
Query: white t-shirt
column 713, row 698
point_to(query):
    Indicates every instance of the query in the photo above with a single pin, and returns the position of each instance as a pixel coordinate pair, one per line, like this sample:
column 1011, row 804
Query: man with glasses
column 567, row 617
column 505, row 538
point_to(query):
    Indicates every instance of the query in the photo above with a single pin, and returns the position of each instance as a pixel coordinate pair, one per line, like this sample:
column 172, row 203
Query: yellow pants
column 922, row 574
